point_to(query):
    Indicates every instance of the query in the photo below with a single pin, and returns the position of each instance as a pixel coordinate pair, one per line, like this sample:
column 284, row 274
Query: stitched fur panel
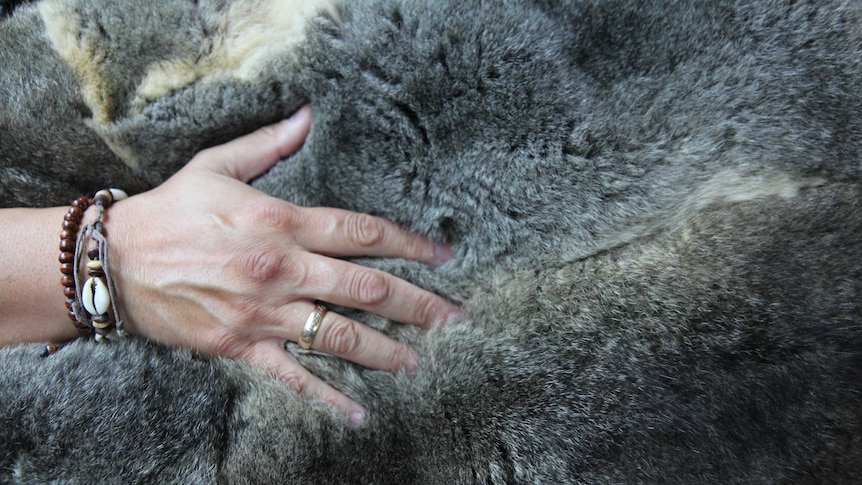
column 655, row 209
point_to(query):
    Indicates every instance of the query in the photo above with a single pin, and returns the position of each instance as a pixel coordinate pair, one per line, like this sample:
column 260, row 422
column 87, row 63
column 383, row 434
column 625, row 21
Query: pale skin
column 207, row 262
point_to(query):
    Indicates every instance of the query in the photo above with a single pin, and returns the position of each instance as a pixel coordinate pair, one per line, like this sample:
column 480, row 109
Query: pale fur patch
column 82, row 53
column 723, row 188
column 246, row 34
column 729, row 187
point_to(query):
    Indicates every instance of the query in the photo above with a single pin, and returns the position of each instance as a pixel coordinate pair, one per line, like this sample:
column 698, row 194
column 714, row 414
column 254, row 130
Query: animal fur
column 655, row 209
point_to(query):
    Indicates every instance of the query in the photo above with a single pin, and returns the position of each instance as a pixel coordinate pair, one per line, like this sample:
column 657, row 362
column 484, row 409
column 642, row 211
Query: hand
column 207, row 262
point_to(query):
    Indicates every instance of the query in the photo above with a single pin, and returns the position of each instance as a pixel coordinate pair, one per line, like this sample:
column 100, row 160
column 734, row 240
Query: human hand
column 207, row 262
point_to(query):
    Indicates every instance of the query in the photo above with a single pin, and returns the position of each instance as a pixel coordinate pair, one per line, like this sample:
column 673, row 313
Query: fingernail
column 442, row 253
column 298, row 117
column 357, row 416
column 452, row 317
column 412, row 363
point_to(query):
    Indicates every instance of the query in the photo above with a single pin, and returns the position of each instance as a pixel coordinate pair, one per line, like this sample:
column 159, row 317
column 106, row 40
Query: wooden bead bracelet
column 68, row 244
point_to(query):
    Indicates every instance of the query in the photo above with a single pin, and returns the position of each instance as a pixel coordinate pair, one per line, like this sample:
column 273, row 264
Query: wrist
column 91, row 300
column 32, row 300
column 121, row 226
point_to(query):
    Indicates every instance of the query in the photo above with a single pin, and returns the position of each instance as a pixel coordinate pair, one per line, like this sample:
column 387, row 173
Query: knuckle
column 267, row 133
column 425, row 310
column 395, row 359
column 368, row 288
column 332, row 400
column 295, row 271
column 262, row 265
column 266, row 264
column 418, row 248
column 270, row 214
column 364, row 230
column 296, row 379
column 342, row 337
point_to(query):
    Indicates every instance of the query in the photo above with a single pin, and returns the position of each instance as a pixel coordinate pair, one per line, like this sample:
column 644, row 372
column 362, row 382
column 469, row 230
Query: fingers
column 251, row 155
column 310, row 276
column 375, row 291
column 271, row 355
column 338, row 336
column 344, row 233
column 348, row 339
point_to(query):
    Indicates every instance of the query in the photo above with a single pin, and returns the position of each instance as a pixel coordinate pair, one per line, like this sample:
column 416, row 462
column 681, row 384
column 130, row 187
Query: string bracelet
column 98, row 295
column 92, row 306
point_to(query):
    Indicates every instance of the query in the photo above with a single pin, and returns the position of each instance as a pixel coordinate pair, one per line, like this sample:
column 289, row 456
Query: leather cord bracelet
column 92, row 306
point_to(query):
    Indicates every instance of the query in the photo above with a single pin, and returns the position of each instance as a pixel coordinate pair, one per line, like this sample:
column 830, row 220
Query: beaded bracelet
column 68, row 245
column 92, row 307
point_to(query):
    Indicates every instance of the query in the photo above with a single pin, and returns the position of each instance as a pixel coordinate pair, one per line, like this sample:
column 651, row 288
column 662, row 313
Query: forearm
column 31, row 299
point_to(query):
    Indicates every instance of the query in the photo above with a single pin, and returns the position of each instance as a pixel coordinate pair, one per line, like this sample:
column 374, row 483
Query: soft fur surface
column 655, row 208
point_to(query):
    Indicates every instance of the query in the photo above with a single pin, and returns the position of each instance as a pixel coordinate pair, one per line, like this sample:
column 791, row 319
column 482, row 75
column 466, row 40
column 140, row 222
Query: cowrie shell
column 95, row 296
column 118, row 194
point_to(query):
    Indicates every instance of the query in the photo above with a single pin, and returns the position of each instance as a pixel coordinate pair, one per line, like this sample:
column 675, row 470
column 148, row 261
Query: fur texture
column 655, row 208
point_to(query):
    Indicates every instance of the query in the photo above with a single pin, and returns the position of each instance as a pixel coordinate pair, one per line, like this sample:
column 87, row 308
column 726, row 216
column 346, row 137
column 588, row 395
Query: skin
column 207, row 262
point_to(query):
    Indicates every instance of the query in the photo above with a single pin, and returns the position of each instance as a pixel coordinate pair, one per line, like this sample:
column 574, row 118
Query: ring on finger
column 312, row 325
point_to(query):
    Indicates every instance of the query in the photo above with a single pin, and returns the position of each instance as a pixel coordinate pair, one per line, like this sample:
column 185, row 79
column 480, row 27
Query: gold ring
column 312, row 325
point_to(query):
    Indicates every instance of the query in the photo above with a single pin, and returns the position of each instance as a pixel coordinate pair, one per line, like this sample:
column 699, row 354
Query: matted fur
column 655, row 210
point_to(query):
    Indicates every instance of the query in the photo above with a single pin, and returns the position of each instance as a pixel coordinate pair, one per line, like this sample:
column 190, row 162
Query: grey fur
column 657, row 221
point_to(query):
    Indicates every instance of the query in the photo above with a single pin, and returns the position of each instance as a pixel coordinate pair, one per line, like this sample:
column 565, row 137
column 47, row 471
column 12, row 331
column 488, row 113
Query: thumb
column 251, row 155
